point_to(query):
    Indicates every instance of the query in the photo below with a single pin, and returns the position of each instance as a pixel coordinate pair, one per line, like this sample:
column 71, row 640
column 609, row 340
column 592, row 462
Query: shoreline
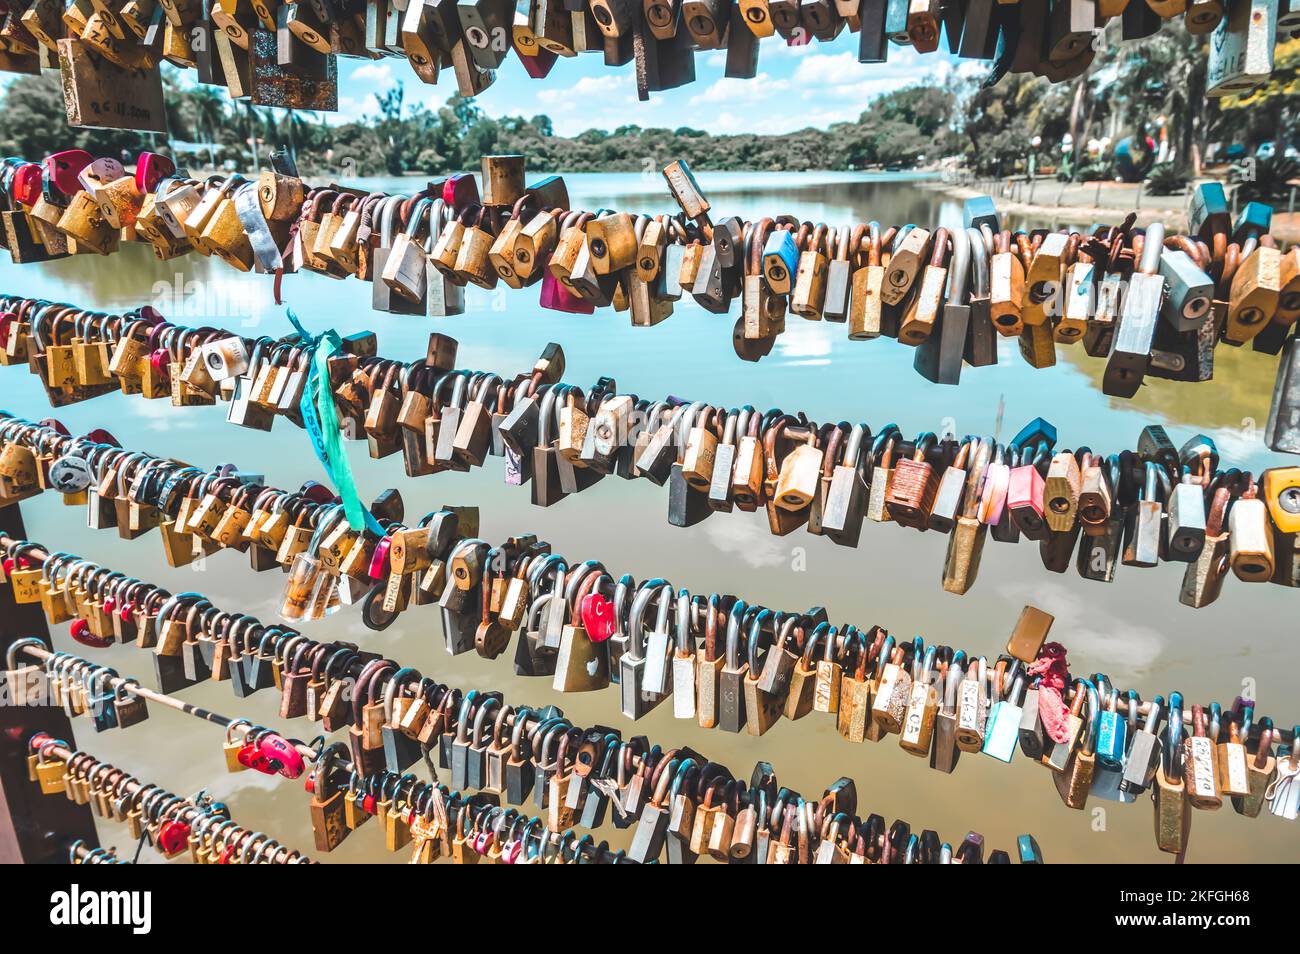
column 1006, row 194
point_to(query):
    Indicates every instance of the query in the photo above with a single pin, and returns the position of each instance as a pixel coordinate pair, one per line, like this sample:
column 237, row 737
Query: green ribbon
column 322, row 424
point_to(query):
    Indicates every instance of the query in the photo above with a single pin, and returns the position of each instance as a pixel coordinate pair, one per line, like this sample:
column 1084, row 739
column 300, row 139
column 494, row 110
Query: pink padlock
column 558, row 298
column 460, row 191
column 159, row 360
column 281, row 751
column 64, row 168
column 993, row 498
column 249, row 757
column 512, row 850
column 597, row 617
column 1025, row 501
column 150, row 169
column 379, row 559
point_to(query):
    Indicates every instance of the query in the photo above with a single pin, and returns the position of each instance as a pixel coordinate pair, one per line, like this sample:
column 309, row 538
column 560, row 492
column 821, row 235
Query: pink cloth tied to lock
column 1054, row 674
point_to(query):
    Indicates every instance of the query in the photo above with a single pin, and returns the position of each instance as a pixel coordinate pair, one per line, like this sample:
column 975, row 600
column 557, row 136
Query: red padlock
column 64, row 168
column 80, row 632
column 56, row 425
column 538, row 65
column 25, row 187
column 173, row 837
column 317, row 492
column 101, row 436
column 597, row 617
column 250, row 757
column 150, row 169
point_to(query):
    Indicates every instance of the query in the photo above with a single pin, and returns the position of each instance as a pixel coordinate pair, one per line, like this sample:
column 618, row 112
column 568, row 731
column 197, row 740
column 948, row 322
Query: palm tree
column 209, row 107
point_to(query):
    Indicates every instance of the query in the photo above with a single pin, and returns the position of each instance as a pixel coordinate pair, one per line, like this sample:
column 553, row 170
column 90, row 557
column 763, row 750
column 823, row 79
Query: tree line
column 1139, row 91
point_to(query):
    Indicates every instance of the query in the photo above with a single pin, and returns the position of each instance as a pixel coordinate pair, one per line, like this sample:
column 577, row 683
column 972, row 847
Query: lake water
column 1134, row 629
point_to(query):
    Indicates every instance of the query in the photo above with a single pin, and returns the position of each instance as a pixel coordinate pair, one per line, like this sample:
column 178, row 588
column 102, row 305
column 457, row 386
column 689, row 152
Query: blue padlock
column 780, row 261
column 1112, row 729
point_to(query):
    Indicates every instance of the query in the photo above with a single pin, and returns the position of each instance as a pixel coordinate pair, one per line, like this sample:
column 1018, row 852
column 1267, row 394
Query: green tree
column 33, row 123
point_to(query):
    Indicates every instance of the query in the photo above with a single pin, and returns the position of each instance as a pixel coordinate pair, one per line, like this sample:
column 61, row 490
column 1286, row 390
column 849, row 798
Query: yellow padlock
column 1281, row 489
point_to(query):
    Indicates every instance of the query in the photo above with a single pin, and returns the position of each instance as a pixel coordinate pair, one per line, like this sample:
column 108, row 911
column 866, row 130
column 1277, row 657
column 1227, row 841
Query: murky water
column 1133, row 629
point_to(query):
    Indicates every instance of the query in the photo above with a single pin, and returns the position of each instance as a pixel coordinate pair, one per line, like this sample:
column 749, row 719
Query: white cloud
column 804, row 339
column 156, row 417
column 379, row 73
column 352, row 109
column 826, row 68
column 747, row 539
column 731, row 90
column 575, row 96
column 1091, row 631
column 776, row 46
column 784, row 121
column 843, row 71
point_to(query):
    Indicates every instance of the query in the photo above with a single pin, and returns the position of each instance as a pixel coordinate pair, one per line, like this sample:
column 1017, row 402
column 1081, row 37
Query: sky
column 796, row 87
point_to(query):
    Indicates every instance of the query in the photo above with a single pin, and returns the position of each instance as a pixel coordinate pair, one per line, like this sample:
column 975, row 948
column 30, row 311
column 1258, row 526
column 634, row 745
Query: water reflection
column 1134, row 629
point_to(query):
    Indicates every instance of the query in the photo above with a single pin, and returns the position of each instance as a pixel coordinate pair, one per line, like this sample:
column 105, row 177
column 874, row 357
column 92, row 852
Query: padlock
column 924, row 309
column 910, row 495
column 1075, row 779
column 905, row 263
column 1253, row 294
column 1201, row 765
column 1003, row 727
column 1007, row 283
column 868, row 283
column 922, row 706
column 1250, row 542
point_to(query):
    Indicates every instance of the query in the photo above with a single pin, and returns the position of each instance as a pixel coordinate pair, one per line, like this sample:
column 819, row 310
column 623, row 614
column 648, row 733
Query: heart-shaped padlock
column 597, row 617
column 80, row 632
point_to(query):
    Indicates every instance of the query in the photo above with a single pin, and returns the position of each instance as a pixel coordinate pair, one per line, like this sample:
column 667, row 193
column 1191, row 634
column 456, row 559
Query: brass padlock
column 472, row 257
column 83, row 222
column 809, row 292
column 927, row 302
